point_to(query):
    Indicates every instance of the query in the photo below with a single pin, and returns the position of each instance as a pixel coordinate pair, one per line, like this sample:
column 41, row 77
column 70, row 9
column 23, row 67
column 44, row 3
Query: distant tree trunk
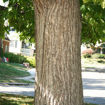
column 58, row 65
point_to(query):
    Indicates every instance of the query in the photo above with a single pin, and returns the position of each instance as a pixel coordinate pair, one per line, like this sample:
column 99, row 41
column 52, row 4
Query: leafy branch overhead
column 20, row 15
column 93, row 21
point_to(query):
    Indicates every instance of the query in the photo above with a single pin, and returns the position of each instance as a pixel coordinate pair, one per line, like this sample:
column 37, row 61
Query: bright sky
column 3, row 4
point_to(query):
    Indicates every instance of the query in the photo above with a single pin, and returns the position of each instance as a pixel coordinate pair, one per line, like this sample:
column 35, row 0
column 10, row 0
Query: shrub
column 31, row 61
column 101, row 61
column 87, row 55
column 17, row 58
column 102, row 56
column 1, row 52
column 88, row 51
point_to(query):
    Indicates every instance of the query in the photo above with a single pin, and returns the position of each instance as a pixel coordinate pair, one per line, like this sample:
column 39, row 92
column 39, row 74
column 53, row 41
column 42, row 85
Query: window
column 13, row 43
column 16, row 44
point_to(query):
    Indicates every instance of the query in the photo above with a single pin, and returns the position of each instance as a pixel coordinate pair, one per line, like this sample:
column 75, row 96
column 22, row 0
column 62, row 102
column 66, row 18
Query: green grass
column 9, row 72
column 94, row 61
column 8, row 99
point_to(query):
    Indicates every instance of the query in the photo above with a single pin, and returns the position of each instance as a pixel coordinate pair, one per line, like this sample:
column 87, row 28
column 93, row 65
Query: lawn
column 9, row 72
column 9, row 99
column 94, row 61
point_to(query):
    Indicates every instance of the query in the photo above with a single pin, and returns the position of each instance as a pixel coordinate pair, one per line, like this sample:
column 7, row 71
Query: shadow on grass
column 6, row 99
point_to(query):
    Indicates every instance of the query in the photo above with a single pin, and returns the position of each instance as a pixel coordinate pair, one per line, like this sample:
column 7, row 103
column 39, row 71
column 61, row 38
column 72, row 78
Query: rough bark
column 58, row 65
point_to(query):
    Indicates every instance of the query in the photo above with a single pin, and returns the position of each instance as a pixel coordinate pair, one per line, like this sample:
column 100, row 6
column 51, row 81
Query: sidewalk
column 94, row 87
column 20, row 89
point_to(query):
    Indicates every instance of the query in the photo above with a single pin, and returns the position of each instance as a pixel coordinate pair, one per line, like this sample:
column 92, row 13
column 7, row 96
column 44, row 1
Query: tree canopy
column 93, row 21
column 20, row 15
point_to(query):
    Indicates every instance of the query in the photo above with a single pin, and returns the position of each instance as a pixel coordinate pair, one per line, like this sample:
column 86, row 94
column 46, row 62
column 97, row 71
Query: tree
column 58, row 29
column 93, row 21
column 3, row 28
column 20, row 15
column 58, row 43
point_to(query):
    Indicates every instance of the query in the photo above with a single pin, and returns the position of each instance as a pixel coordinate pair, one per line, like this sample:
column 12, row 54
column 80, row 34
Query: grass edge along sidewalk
column 10, row 71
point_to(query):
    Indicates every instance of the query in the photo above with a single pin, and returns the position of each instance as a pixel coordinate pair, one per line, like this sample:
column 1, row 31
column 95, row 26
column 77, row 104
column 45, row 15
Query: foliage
column 101, row 61
column 3, row 28
column 31, row 61
column 87, row 55
column 89, row 51
column 13, row 58
column 99, row 2
column 102, row 56
column 1, row 52
column 10, row 99
column 20, row 15
column 16, row 58
column 93, row 21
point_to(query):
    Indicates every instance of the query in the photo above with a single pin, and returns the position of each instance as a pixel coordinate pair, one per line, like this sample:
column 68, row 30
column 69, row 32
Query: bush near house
column 1, row 52
column 88, row 51
column 102, row 56
column 87, row 55
column 17, row 58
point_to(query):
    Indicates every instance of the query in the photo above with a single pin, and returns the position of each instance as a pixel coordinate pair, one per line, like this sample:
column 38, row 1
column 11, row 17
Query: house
column 20, row 47
column 4, row 43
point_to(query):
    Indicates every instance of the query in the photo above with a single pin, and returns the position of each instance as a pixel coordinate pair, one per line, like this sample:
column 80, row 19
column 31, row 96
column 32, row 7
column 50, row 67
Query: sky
column 3, row 4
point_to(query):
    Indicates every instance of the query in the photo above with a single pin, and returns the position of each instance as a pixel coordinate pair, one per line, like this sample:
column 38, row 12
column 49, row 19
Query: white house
column 20, row 47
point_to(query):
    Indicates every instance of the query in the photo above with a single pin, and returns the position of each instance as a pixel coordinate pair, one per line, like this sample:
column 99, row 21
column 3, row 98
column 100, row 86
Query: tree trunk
column 58, row 57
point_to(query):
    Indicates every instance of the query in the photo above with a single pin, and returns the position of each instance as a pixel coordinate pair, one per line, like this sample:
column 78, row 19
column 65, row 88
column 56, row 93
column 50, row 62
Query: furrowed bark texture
column 58, row 65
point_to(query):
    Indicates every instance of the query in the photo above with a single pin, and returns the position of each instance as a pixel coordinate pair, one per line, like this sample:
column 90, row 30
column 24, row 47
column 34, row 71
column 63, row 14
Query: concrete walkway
column 94, row 87
column 20, row 90
column 30, row 78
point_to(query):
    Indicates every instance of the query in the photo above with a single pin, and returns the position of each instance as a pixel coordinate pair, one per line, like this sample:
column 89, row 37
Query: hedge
column 17, row 58
column 1, row 52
